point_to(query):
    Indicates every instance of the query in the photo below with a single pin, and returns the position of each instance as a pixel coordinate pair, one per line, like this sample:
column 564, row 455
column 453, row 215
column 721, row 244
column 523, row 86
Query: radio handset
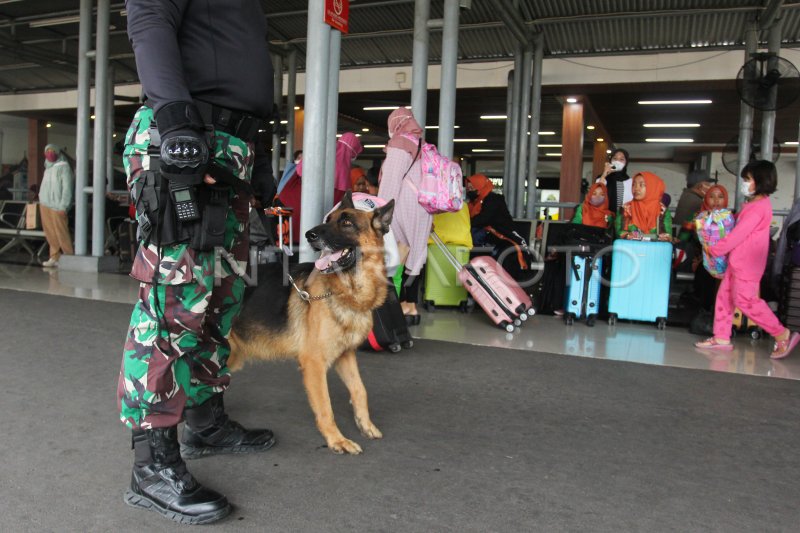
column 185, row 201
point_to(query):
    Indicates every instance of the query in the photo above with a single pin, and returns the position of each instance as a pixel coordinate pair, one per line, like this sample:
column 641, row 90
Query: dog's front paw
column 369, row 430
column 344, row 445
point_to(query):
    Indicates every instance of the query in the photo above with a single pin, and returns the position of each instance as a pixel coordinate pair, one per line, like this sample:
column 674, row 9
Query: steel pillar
column 419, row 67
column 82, row 127
column 100, row 124
column 447, row 98
column 745, row 114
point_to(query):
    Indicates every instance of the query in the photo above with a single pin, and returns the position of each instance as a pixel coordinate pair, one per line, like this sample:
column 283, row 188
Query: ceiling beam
column 512, row 19
column 767, row 18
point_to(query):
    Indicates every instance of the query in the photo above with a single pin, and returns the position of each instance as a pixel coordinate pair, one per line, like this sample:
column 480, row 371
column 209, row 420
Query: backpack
column 441, row 188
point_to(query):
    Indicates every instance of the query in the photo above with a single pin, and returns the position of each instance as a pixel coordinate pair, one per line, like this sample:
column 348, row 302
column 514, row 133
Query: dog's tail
column 235, row 359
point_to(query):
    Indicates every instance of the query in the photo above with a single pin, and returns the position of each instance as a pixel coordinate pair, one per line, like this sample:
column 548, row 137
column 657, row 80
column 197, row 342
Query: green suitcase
column 441, row 281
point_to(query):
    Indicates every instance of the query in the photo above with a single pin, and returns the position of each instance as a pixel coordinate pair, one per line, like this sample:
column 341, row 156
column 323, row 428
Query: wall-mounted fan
column 760, row 75
column 730, row 154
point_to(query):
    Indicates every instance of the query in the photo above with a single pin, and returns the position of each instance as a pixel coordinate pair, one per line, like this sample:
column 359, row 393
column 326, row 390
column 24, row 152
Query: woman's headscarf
column 56, row 149
column 595, row 215
column 402, row 121
column 645, row 212
column 356, row 173
column 484, row 186
column 347, row 148
column 720, row 188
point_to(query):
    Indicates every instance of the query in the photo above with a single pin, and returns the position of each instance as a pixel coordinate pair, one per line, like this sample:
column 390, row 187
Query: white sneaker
column 50, row 263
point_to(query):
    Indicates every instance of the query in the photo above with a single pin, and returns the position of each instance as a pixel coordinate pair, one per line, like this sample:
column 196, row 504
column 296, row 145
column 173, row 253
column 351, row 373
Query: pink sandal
column 784, row 347
column 712, row 343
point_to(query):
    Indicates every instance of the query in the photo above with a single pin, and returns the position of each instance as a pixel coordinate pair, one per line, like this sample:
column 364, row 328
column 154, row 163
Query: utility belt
column 162, row 214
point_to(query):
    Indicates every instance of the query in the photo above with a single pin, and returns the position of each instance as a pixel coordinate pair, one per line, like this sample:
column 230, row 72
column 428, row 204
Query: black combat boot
column 160, row 481
column 209, row 431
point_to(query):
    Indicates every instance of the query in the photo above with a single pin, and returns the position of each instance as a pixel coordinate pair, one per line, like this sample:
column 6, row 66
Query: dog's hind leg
column 316, row 382
column 347, row 368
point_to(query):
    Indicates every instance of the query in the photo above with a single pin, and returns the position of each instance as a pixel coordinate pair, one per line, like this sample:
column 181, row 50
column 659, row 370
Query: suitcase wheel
column 517, row 322
column 569, row 319
column 755, row 334
column 464, row 307
column 429, row 306
column 612, row 319
column 394, row 348
column 407, row 345
column 590, row 320
column 523, row 317
column 661, row 323
column 531, row 311
column 506, row 326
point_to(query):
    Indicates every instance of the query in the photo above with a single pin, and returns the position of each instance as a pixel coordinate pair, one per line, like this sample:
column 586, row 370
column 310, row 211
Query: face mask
column 51, row 156
column 616, row 166
column 597, row 200
column 744, row 188
column 472, row 195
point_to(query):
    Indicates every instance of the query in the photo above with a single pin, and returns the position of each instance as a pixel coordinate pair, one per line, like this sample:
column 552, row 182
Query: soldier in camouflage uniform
column 174, row 360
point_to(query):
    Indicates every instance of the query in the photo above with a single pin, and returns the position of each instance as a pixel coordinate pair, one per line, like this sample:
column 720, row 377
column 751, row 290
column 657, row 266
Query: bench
column 12, row 230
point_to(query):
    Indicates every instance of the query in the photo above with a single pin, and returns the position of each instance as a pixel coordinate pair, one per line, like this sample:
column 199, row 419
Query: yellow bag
column 454, row 228
column 32, row 218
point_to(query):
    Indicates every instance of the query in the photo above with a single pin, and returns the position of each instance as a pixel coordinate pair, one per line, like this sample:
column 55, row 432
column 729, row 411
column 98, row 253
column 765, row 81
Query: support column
column 745, row 114
column 419, row 68
column 599, row 157
column 523, row 140
column 82, row 140
column 768, row 117
column 797, row 168
column 100, row 112
column 332, row 121
column 314, row 135
column 447, row 94
column 536, row 115
column 37, row 140
column 510, row 179
column 291, row 102
column 571, row 156
column 277, row 100
column 110, row 131
column 507, row 147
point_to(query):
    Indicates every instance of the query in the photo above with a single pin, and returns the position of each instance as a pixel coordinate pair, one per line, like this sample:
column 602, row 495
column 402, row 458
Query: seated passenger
column 594, row 209
column 487, row 209
column 645, row 214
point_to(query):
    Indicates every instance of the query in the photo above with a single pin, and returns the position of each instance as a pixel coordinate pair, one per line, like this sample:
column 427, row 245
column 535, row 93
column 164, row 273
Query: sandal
column 712, row 343
column 784, row 347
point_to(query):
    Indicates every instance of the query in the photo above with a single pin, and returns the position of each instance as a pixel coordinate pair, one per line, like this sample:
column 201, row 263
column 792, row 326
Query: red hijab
column 484, row 187
column 644, row 213
column 595, row 216
column 402, row 121
column 720, row 188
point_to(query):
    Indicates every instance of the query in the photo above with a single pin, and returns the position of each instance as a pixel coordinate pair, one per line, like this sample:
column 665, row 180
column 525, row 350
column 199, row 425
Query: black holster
column 158, row 223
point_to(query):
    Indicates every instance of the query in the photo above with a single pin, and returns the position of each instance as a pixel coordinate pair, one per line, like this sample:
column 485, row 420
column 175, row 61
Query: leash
column 304, row 294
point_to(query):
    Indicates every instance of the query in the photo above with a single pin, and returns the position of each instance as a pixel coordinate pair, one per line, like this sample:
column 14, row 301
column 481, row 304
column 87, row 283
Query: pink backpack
column 441, row 188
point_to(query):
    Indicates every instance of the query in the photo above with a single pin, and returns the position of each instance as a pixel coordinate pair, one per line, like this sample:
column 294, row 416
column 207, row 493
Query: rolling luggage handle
column 446, row 252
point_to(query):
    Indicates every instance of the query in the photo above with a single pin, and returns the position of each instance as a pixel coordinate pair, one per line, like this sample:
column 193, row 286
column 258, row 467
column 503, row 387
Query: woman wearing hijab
column 716, row 197
column 645, row 215
column 411, row 224
column 358, row 179
column 55, row 197
column 615, row 178
column 486, row 209
column 347, row 149
column 594, row 209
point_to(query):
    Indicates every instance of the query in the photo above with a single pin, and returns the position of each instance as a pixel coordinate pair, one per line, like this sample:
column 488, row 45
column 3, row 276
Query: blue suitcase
column 583, row 289
column 640, row 276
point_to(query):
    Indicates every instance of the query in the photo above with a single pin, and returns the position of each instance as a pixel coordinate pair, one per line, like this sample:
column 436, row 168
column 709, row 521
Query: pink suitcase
column 498, row 294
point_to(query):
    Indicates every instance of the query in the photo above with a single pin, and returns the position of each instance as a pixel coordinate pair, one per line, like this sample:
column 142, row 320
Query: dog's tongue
column 326, row 258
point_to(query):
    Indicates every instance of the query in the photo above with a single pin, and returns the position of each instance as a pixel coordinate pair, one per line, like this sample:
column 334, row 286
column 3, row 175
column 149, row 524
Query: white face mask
column 744, row 188
column 616, row 165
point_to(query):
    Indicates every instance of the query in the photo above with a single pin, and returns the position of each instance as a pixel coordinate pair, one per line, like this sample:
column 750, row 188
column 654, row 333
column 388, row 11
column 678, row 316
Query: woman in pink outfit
column 747, row 247
column 411, row 224
column 347, row 149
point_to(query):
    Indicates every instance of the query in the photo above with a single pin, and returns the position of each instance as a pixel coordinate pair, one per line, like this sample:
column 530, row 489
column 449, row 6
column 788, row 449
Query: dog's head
column 348, row 232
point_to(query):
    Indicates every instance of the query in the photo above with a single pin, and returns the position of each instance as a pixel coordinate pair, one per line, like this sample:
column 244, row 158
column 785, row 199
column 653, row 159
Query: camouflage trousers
column 176, row 348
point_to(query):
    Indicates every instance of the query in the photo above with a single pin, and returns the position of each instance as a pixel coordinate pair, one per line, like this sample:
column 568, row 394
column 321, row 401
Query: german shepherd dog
column 325, row 325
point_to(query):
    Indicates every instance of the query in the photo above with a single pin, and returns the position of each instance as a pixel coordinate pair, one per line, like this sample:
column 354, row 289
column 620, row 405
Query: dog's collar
column 304, row 294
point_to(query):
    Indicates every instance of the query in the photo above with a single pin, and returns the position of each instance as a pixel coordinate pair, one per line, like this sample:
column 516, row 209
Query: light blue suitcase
column 640, row 276
column 583, row 289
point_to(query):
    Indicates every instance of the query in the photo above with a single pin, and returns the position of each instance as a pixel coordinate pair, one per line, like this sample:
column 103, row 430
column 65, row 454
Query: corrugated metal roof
column 381, row 32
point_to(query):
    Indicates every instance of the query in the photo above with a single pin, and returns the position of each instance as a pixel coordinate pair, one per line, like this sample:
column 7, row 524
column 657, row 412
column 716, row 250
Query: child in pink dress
column 747, row 247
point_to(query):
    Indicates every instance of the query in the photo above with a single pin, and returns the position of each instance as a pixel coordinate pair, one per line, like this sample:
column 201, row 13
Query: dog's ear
column 347, row 201
column 382, row 217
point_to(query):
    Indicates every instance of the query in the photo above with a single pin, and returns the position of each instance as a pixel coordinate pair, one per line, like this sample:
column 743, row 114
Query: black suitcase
column 789, row 305
column 389, row 329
